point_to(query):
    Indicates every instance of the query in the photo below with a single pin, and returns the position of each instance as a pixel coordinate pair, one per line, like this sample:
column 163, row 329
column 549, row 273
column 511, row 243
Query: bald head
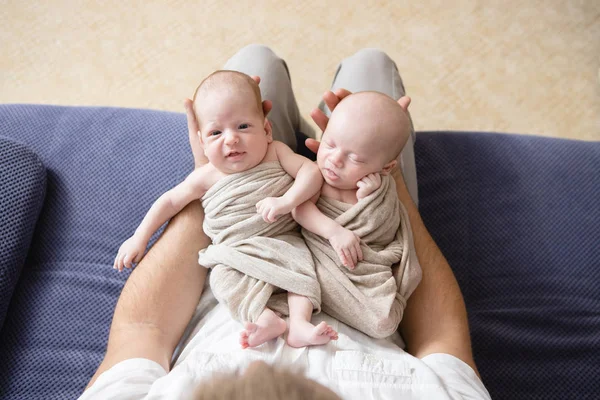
column 223, row 80
column 377, row 118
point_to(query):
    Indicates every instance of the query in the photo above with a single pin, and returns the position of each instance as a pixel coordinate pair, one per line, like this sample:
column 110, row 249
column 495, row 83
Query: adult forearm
column 435, row 319
column 160, row 296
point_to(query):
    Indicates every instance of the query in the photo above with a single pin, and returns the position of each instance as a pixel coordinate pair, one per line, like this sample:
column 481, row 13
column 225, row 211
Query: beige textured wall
column 505, row 65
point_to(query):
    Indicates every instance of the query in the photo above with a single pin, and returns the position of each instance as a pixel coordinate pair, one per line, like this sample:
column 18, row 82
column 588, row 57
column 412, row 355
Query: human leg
column 374, row 70
column 276, row 86
column 268, row 326
column 302, row 332
column 160, row 296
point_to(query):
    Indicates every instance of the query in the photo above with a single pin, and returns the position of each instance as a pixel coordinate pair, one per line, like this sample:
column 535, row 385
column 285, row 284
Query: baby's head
column 365, row 135
column 234, row 131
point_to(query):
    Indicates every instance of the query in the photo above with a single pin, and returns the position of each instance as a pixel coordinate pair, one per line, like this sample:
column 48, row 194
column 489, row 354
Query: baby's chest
column 345, row 196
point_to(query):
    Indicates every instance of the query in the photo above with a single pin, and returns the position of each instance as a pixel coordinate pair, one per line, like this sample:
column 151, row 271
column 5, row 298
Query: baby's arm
column 345, row 242
column 307, row 182
column 167, row 205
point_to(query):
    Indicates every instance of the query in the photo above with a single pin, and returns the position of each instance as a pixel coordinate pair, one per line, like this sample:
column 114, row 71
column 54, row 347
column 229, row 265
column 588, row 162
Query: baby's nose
column 336, row 159
column 231, row 137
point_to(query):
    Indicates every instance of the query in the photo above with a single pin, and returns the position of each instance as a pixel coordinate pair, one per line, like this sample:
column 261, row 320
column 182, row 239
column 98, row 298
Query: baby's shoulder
column 272, row 151
column 206, row 176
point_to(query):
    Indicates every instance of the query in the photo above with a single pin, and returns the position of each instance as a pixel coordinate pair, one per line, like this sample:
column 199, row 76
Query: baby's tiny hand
column 131, row 251
column 347, row 245
column 272, row 207
column 368, row 185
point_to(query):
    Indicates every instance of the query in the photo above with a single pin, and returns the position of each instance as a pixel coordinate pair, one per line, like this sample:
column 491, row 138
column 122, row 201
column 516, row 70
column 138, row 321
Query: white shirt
column 355, row 366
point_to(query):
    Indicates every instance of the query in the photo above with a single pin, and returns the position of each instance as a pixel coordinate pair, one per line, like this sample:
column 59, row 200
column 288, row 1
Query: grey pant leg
column 275, row 85
column 373, row 70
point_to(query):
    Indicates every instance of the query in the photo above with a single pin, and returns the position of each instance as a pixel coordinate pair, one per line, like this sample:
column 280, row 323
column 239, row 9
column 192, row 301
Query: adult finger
column 331, row 99
column 193, row 128
column 312, row 144
column 267, row 106
column 256, row 78
column 192, row 123
column 404, row 102
column 320, row 118
column 341, row 93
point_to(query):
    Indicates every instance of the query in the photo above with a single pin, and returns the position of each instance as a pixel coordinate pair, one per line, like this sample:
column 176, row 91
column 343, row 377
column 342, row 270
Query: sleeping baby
column 260, row 265
column 357, row 229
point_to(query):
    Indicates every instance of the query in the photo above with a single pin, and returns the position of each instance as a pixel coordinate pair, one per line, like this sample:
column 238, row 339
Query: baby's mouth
column 235, row 154
column 330, row 174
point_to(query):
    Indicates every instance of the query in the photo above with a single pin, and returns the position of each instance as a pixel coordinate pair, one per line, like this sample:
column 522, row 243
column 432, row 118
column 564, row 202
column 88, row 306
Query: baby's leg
column 302, row 331
column 268, row 326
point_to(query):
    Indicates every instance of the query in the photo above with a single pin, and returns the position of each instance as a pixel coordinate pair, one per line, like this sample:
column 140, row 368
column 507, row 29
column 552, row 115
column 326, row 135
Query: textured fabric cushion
column 518, row 219
column 22, row 190
column 105, row 168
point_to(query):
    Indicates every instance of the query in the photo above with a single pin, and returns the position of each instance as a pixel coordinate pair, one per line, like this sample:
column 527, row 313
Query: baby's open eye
column 243, row 126
column 214, row 133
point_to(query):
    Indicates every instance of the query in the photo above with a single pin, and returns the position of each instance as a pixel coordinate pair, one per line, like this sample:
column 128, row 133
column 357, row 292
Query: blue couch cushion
column 518, row 219
column 22, row 190
column 516, row 216
column 106, row 166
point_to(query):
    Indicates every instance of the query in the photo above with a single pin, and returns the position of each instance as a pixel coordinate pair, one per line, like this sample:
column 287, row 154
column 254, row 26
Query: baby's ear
column 387, row 168
column 269, row 130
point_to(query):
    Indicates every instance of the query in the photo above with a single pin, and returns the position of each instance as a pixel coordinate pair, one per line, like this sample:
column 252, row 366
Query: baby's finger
column 348, row 257
column 354, row 255
column 127, row 260
column 359, row 252
column 272, row 215
column 120, row 263
column 342, row 257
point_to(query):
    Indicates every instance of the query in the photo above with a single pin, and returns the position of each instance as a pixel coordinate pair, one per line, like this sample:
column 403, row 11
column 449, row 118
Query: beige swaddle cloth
column 253, row 262
column 372, row 297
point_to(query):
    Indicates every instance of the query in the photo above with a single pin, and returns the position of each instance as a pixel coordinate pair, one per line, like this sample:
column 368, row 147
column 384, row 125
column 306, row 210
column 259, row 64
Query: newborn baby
column 357, row 229
column 248, row 189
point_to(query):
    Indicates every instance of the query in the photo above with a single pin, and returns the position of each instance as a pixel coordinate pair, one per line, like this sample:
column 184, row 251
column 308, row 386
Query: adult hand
column 332, row 99
column 193, row 127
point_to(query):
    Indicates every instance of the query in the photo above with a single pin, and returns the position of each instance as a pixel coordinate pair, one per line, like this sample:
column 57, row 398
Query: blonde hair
column 221, row 79
column 265, row 382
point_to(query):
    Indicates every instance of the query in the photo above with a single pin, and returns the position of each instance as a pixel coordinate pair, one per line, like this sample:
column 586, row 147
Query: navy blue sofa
column 517, row 217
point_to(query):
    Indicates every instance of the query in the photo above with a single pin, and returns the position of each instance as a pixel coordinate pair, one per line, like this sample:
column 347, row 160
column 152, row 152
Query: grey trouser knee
column 275, row 85
column 374, row 70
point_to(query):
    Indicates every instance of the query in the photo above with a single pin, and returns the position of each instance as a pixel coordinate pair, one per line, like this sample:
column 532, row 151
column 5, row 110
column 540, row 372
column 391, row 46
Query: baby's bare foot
column 256, row 334
column 303, row 333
